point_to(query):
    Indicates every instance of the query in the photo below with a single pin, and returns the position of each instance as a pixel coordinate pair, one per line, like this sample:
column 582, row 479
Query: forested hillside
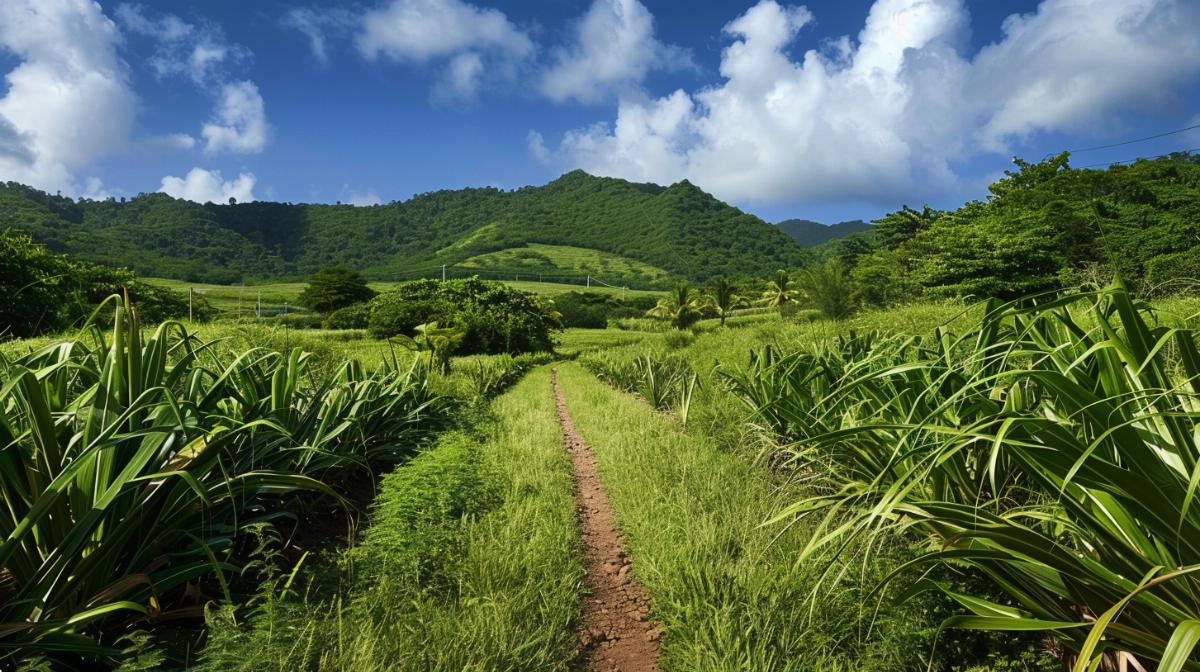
column 680, row 229
column 1043, row 226
column 810, row 234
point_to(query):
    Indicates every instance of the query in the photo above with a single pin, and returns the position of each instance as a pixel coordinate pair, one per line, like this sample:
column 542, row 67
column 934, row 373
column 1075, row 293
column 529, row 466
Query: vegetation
column 682, row 308
column 1044, row 226
column 472, row 563
column 811, row 234
column 334, row 289
column 549, row 262
column 678, row 229
column 42, row 292
column 1051, row 451
column 133, row 466
column 493, row 317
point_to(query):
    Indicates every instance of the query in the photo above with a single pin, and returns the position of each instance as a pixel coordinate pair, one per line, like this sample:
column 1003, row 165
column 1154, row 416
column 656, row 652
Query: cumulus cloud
column 207, row 186
column 68, row 100
column 318, row 25
column 240, row 124
column 613, row 48
column 893, row 111
column 465, row 39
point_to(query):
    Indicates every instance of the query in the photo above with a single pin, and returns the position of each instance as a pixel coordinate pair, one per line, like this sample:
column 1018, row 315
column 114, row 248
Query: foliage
column 41, row 292
column 335, row 288
column 682, row 308
column 679, row 229
column 1039, row 223
column 495, row 317
column 725, row 298
column 131, row 465
column 779, row 294
column 470, row 562
column 584, row 310
column 350, row 317
column 826, row 285
column 1051, row 451
column 436, row 342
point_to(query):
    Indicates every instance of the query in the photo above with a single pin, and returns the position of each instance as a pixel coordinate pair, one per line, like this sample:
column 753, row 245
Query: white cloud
column 363, row 198
column 206, row 186
column 318, row 25
column 892, row 112
column 200, row 52
column 240, row 125
column 469, row 40
column 69, row 100
column 537, row 147
column 614, row 48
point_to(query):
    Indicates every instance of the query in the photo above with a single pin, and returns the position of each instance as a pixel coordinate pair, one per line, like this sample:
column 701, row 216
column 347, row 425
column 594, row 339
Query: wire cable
column 1130, row 142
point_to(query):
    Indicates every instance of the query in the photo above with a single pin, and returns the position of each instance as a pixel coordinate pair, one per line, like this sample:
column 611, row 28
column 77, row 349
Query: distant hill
column 679, row 229
column 810, row 234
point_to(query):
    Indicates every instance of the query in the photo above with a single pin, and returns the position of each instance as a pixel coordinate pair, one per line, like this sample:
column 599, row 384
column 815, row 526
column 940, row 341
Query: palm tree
column 779, row 293
column 725, row 299
column 827, row 285
column 680, row 307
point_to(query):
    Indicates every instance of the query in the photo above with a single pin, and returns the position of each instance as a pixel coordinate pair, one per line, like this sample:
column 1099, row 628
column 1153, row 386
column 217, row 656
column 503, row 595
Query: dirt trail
column 616, row 634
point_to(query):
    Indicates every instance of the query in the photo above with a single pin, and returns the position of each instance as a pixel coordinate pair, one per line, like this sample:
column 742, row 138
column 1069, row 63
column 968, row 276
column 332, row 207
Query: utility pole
column 589, row 281
column 190, row 291
column 443, row 272
column 258, row 305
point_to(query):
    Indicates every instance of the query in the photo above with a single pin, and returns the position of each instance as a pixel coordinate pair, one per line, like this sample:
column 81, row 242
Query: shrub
column 1174, row 272
column 585, row 310
column 350, row 317
column 335, row 288
column 496, row 317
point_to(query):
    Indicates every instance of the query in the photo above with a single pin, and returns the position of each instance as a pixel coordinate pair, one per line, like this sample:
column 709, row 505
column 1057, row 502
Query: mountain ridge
column 679, row 228
column 809, row 233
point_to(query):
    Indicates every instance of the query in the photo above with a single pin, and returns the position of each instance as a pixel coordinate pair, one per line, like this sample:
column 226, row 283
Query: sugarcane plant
column 1054, row 452
column 129, row 464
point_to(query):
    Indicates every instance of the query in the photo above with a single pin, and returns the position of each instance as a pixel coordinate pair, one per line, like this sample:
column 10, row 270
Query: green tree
column 681, row 307
column 827, row 286
column 335, row 288
column 725, row 298
column 779, row 294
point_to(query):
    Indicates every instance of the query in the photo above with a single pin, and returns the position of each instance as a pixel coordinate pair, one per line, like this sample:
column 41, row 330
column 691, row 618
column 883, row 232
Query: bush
column 350, row 317
column 335, row 288
column 496, row 317
column 42, row 292
column 1172, row 273
column 585, row 310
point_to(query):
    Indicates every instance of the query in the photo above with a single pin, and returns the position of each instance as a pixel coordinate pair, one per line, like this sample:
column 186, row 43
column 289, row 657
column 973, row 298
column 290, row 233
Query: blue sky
column 827, row 110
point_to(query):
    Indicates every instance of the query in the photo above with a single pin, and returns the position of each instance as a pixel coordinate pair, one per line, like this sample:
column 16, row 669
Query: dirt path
column 616, row 634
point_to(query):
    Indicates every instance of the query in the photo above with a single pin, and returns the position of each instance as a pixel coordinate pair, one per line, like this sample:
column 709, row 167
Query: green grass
column 567, row 260
column 471, row 563
column 727, row 591
column 240, row 300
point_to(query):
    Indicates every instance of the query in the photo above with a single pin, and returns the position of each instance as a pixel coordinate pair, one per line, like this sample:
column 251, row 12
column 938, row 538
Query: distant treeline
column 1043, row 226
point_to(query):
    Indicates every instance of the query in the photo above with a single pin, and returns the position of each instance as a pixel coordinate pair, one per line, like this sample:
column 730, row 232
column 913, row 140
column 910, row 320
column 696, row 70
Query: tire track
column 616, row 634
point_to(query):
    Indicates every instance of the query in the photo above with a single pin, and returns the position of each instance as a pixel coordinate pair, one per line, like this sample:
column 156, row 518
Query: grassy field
column 571, row 261
column 471, row 561
column 240, row 301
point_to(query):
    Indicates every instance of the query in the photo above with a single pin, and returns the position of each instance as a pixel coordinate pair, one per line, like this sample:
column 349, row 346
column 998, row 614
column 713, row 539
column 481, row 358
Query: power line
column 1130, row 142
column 1140, row 158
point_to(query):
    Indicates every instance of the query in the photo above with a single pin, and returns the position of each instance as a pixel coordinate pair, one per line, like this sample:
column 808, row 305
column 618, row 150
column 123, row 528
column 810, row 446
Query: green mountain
column 679, row 229
column 810, row 234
